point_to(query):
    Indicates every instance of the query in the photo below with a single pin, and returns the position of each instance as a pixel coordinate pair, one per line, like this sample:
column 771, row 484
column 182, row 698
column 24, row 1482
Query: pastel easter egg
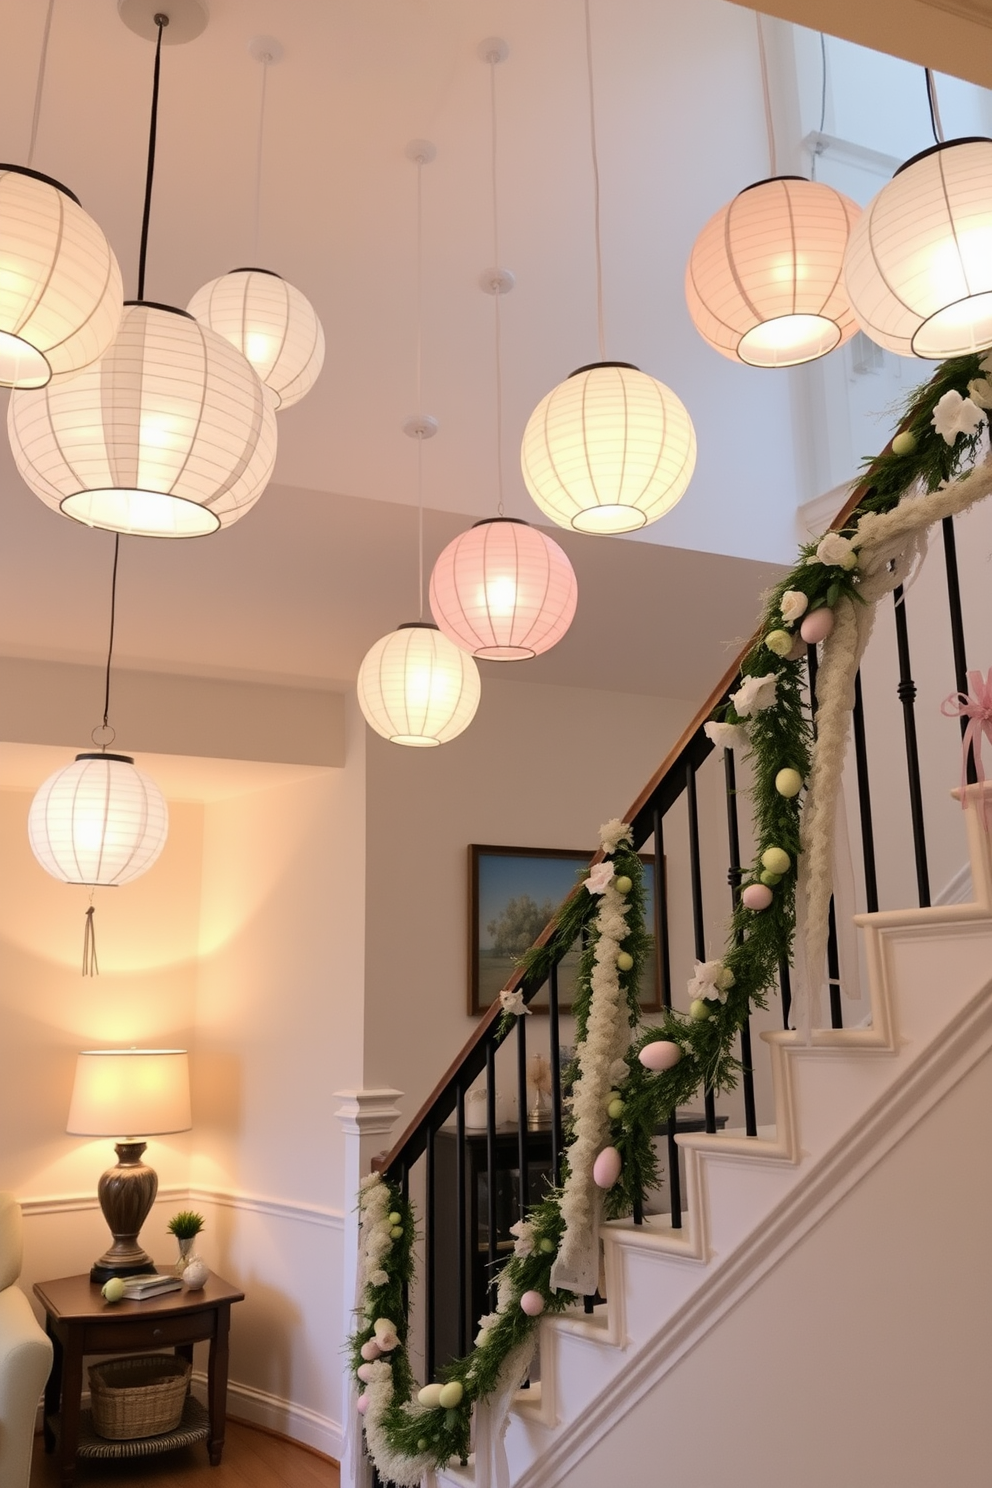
column 546, row 1246
column 779, row 641
column 451, row 1395
column 904, row 444
column 788, row 783
column 615, row 1110
column 624, row 961
column 817, row 626
column 364, row 1372
column 606, row 1168
column 623, row 884
column 396, row 1232
column 771, row 879
column 195, row 1275
column 776, row 860
column 699, row 1010
column 756, row 896
column 661, row 1055
column 430, row 1395
column 371, row 1350
column 112, row 1290
column 395, row 1218
column 532, row 1303
column 363, row 1404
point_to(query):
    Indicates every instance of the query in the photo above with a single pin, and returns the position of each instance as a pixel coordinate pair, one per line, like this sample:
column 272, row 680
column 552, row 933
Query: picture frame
column 513, row 892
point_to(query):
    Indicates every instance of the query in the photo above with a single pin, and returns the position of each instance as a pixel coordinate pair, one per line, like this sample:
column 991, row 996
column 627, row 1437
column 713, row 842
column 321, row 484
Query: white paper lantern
column 99, row 821
column 416, row 687
column 271, row 323
column 764, row 282
column 60, row 284
column 503, row 590
column 608, row 450
column 168, row 435
column 919, row 264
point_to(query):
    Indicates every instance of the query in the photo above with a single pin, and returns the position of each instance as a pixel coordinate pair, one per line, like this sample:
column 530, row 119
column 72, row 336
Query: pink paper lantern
column 503, row 591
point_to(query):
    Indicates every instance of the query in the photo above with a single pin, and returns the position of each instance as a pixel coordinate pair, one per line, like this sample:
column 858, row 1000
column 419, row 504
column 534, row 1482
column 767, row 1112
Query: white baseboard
column 283, row 1416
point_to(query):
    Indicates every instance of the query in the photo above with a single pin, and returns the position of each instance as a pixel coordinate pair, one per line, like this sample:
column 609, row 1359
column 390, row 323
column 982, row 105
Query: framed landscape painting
column 513, row 892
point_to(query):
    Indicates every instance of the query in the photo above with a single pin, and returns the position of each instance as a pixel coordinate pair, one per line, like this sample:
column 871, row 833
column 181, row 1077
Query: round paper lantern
column 764, row 280
column 271, row 323
column 60, row 285
column 608, row 450
column 168, row 435
column 919, row 264
column 503, row 590
column 416, row 687
column 99, row 821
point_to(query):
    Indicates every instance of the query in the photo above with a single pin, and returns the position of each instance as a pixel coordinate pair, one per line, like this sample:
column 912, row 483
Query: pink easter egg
column 606, row 1168
column 817, row 626
column 532, row 1303
column 364, row 1372
column 661, row 1055
column 757, row 896
column 371, row 1350
column 363, row 1404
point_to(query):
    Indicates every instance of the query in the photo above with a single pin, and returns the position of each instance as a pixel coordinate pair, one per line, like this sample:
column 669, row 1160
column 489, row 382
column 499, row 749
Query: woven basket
column 143, row 1396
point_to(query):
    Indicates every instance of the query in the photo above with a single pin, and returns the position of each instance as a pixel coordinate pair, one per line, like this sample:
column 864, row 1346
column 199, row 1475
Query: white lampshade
column 416, row 687
column 130, row 1092
column 608, row 450
column 919, row 264
column 169, row 435
column 98, row 822
column 60, row 284
column 503, row 590
column 271, row 323
column 764, row 282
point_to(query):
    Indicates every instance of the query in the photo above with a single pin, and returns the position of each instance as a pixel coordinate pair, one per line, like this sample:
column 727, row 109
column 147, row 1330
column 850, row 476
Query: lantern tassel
column 91, row 966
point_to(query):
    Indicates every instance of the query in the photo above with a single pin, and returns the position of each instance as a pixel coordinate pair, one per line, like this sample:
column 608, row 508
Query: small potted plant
column 185, row 1225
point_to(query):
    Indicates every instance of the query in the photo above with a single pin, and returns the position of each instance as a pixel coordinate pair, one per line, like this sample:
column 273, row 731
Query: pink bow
column 976, row 706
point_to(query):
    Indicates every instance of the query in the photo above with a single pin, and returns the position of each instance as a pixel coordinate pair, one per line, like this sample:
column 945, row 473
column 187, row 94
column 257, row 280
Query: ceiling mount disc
column 187, row 19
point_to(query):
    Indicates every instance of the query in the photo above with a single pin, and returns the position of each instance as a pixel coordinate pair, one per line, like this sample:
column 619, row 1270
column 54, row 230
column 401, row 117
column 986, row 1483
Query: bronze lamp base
column 127, row 1192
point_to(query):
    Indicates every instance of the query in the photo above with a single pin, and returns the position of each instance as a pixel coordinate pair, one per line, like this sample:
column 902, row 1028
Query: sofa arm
column 25, row 1361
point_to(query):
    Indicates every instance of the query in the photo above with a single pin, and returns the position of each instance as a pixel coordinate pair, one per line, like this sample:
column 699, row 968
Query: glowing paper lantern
column 270, row 323
column 919, row 264
column 98, row 821
column 416, row 687
column 60, row 285
column 168, row 435
column 764, row 280
column 608, row 450
column 503, row 590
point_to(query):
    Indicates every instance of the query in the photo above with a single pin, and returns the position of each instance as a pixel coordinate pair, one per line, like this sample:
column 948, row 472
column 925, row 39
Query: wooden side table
column 79, row 1322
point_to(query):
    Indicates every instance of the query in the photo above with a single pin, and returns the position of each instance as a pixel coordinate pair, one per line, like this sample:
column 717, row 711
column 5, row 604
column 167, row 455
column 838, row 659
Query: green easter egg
column 113, row 1290
column 546, row 1246
column 623, row 884
column 451, row 1395
column 771, row 879
column 776, row 860
column 699, row 1010
column 396, row 1232
column 395, row 1218
column 788, row 783
column 615, row 1110
column 904, row 444
column 625, row 961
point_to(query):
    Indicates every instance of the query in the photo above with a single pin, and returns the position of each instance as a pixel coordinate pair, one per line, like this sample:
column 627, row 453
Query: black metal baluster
column 907, row 696
column 491, row 1251
column 698, row 929
column 785, row 987
column 663, row 952
column 833, row 955
column 405, row 1192
column 521, row 1117
column 734, row 880
column 864, row 799
column 555, row 1042
column 957, row 630
column 464, row 1239
column 429, row 1227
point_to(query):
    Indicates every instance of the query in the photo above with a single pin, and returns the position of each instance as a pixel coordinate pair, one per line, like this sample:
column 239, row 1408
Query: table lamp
column 142, row 1091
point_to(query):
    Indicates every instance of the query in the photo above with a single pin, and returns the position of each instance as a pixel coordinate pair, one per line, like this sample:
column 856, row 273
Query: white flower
column 712, row 981
column 612, row 833
column 794, row 605
column 618, row 1072
column 523, row 1245
column 980, row 391
column 726, row 735
column 835, row 550
column 378, row 1278
column 754, row 695
column 599, row 877
column 955, row 415
column 513, row 1002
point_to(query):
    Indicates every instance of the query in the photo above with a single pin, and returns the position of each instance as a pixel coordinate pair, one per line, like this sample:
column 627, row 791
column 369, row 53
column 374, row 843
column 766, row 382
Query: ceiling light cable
column 767, row 97
column 266, row 59
column 110, row 651
column 495, row 57
column 161, row 21
column 935, row 124
column 420, row 386
column 594, row 150
column 817, row 149
column 40, row 86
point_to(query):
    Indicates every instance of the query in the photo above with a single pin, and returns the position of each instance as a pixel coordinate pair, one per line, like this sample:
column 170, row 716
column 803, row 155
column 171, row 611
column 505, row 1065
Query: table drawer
column 107, row 1336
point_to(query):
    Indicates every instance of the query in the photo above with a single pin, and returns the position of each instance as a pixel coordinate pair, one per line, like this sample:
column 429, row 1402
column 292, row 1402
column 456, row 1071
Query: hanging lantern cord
column 595, row 189
column 767, row 97
column 420, row 386
column 494, row 57
column 91, row 967
column 40, row 86
column 161, row 22
column 105, row 729
column 935, row 124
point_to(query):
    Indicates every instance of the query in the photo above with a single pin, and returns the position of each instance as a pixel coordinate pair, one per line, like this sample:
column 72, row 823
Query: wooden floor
column 252, row 1459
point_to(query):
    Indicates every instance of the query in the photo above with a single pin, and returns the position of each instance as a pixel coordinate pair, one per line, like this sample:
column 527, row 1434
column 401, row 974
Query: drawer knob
column 156, row 1332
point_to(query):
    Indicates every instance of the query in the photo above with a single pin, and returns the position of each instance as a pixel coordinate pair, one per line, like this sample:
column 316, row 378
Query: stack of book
column 150, row 1284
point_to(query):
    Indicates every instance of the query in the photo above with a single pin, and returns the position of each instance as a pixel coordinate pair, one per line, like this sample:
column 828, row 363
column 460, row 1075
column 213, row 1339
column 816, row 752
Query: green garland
column 779, row 737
